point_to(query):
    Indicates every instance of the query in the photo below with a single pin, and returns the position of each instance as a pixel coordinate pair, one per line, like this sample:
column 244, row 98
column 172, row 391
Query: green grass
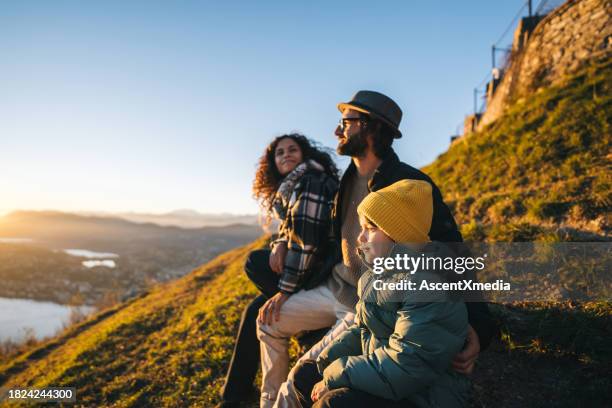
column 543, row 165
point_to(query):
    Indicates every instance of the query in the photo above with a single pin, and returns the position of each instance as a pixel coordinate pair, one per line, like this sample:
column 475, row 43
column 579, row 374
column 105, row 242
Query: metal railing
column 503, row 47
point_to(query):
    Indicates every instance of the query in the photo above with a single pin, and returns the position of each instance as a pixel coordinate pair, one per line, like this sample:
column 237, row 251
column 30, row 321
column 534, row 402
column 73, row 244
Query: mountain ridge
column 31, row 215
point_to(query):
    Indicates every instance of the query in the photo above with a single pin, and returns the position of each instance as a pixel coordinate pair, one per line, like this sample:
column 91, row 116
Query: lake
column 85, row 253
column 94, row 258
column 108, row 263
column 91, row 263
column 44, row 318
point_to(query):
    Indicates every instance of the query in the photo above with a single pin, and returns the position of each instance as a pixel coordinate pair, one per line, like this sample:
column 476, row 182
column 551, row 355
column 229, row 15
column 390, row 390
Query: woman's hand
column 464, row 361
column 271, row 309
column 277, row 257
column 318, row 391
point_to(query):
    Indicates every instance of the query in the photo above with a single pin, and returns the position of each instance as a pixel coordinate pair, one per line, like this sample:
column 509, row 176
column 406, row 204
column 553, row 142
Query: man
column 369, row 124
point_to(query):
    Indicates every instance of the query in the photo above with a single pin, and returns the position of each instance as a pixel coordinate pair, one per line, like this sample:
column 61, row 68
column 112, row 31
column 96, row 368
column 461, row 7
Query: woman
column 296, row 183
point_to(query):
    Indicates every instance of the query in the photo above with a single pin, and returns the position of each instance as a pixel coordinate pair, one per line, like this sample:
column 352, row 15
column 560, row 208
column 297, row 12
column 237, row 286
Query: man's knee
column 266, row 332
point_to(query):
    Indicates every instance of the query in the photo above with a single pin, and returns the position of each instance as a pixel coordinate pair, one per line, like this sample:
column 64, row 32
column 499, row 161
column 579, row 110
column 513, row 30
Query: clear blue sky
column 159, row 105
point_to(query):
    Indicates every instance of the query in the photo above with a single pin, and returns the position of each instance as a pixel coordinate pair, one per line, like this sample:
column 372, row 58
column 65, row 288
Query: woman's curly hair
column 268, row 179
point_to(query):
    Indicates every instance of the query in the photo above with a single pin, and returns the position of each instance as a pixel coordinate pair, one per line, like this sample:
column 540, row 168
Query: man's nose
column 338, row 131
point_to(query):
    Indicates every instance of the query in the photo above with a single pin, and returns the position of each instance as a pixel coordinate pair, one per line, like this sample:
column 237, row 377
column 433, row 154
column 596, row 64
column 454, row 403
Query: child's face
column 372, row 240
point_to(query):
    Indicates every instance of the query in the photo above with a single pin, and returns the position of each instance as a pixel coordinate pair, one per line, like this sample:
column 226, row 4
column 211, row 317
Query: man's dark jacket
column 443, row 226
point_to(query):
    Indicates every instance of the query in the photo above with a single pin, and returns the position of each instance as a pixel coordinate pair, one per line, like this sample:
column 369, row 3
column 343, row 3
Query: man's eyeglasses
column 342, row 123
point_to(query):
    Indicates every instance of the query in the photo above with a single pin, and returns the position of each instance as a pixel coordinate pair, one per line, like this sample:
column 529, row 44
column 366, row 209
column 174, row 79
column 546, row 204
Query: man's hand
column 318, row 391
column 270, row 311
column 464, row 361
column 277, row 257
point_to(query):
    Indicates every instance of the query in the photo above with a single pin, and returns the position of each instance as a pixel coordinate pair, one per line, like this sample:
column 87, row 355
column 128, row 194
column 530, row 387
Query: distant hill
column 185, row 218
column 148, row 253
column 59, row 229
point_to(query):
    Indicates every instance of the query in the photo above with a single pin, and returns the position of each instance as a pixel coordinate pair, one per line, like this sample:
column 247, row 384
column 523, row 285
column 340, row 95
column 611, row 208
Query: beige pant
column 305, row 310
column 286, row 397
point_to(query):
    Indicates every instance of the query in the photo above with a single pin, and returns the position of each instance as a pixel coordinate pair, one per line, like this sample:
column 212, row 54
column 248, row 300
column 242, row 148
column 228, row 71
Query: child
column 399, row 350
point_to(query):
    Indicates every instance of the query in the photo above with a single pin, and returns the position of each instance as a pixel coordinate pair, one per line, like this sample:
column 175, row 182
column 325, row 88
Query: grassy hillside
column 540, row 172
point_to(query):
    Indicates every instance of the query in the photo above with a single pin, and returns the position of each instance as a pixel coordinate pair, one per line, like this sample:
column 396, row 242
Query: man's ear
column 370, row 139
column 372, row 129
column 377, row 127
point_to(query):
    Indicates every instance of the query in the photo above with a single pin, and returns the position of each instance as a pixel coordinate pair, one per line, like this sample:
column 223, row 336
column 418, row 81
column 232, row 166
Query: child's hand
column 318, row 391
column 464, row 361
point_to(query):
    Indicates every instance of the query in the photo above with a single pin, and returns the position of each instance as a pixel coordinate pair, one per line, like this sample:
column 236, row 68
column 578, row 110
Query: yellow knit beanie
column 402, row 210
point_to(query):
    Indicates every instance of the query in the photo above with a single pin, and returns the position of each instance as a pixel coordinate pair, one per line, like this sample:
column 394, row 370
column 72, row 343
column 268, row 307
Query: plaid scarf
column 285, row 193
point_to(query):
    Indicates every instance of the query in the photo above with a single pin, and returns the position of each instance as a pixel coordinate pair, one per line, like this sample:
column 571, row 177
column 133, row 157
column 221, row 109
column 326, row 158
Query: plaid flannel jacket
column 307, row 228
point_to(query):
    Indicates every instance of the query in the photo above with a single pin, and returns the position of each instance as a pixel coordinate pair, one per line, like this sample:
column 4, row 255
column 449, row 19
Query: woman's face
column 373, row 241
column 287, row 156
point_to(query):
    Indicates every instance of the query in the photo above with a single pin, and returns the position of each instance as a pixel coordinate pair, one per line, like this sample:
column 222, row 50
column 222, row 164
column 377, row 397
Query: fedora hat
column 378, row 106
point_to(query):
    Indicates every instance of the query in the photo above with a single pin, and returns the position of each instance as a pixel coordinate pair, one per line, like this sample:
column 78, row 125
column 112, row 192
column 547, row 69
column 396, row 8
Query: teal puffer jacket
column 401, row 347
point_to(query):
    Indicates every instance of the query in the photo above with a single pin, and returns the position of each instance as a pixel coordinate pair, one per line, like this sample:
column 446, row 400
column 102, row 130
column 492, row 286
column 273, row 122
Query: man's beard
column 354, row 145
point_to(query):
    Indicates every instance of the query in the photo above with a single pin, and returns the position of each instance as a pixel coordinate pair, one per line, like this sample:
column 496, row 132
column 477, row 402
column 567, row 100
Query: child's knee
column 304, row 376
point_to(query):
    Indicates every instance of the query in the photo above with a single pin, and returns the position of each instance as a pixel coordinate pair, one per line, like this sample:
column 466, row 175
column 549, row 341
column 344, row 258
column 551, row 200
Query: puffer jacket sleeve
column 347, row 344
column 426, row 338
